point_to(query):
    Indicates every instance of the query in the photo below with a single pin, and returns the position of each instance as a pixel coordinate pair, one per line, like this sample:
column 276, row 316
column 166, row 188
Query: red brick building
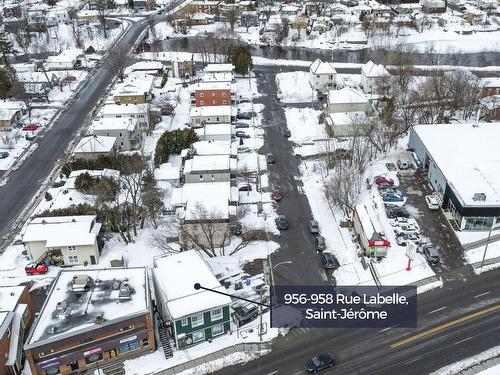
column 212, row 94
column 16, row 317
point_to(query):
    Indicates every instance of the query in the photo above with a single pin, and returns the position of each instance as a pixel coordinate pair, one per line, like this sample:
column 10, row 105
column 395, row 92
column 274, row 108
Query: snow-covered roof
column 103, row 298
column 469, row 159
column 369, row 221
column 320, row 67
column 219, row 68
column 372, row 70
column 95, row 143
column 193, row 195
column 112, row 123
column 12, row 104
column 124, row 109
column 490, row 82
column 217, row 77
column 210, row 111
column 9, row 297
column 345, row 118
column 135, row 84
column 212, row 147
column 207, row 163
column 14, row 337
column 167, row 172
column 175, row 277
column 144, row 65
column 215, row 129
column 346, row 95
column 212, row 85
column 63, row 230
column 68, row 55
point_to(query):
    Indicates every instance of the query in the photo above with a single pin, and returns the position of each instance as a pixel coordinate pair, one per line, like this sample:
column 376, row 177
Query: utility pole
column 260, row 319
column 488, row 241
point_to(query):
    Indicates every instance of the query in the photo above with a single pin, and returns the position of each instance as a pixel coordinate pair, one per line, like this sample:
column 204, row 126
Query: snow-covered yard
column 294, row 87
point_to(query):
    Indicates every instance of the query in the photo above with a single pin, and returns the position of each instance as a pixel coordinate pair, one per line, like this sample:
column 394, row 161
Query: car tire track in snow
column 437, row 310
column 481, row 295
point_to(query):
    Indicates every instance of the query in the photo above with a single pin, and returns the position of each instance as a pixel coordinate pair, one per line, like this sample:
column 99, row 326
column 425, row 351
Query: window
column 121, row 135
column 213, row 101
column 217, row 119
column 198, row 336
column 330, row 76
column 71, row 248
column 217, row 329
column 72, row 258
column 201, row 177
column 318, row 77
column 224, row 102
column 184, row 322
column 145, row 342
column 223, row 94
column 197, row 320
column 202, row 102
column 202, row 94
column 216, row 314
column 213, row 94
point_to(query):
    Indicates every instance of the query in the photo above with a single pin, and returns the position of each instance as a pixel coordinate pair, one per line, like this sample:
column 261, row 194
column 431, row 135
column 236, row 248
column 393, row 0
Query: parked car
column 319, row 363
column 407, row 229
column 30, row 128
column 430, row 253
column 287, row 133
column 243, row 99
column 383, row 190
column 320, row 95
column 58, row 184
column 433, row 202
column 383, row 181
column 241, row 134
column 276, row 195
column 282, row 222
column 243, row 116
column 36, row 269
column 244, row 314
column 4, row 154
column 320, row 243
column 269, row 158
column 395, row 212
column 242, row 125
column 329, row 261
column 245, row 187
column 313, row 227
column 403, row 165
column 404, row 238
column 392, row 198
column 244, row 149
column 399, row 221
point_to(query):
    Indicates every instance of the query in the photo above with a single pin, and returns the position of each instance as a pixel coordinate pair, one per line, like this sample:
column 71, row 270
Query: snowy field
column 294, row 87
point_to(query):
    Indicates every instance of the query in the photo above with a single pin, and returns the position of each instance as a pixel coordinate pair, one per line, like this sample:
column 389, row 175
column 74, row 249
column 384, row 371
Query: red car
column 381, row 180
column 30, row 128
column 277, row 195
column 36, row 269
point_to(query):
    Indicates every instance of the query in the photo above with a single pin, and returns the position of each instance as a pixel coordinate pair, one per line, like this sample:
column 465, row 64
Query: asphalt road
column 25, row 181
column 368, row 351
column 296, row 242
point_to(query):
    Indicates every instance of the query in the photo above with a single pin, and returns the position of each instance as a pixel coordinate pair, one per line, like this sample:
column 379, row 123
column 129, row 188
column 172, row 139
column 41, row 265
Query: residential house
column 93, row 146
column 125, row 129
column 346, row 124
column 92, row 319
column 225, row 147
column 16, row 317
column 322, row 75
column 66, row 240
column 215, row 132
column 11, row 113
column 208, row 168
column 213, row 94
column 154, row 68
column 490, row 86
column 490, row 107
column 467, row 181
column 138, row 112
column 194, row 315
column 347, row 100
column 433, row 6
column 374, row 78
column 219, row 68
column 11, row 10
column 249, row 18
column 475, row 16
column 87, row 16
column 212, row 7
column 182, row 68
column 140, row 4
column 57, row 15
column 68, row 59
column 135, row 88
column 167, row 173
column 221, row 114
column 487, row 5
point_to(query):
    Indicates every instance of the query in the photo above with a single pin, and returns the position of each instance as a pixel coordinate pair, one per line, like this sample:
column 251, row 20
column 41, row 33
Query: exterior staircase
column 113, row 368
column 165, row 340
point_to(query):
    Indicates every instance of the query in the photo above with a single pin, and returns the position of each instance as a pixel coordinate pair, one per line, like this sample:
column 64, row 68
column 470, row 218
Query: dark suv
column 246, row 313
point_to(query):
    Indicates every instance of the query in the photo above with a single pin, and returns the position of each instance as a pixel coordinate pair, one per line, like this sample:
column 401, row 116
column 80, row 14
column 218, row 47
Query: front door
column 74, row 365
column 92, row 259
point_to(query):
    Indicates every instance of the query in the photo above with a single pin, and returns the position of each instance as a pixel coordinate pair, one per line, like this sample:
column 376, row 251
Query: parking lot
column 434, row 225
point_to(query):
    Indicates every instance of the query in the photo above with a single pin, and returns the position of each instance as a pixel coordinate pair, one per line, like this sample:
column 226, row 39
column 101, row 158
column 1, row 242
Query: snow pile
column 459, row 366
column 294, row 87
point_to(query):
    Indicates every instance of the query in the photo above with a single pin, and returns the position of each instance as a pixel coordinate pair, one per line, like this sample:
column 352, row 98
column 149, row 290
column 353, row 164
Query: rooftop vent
column 99, row 319
column 125, row 291
column 116, row 284
column 62, row 310
column 80, row 283
column 479, row 197
column 52, row 329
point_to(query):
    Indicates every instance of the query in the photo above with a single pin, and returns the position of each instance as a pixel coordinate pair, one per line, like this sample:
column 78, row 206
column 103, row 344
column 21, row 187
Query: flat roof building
column 463, row 164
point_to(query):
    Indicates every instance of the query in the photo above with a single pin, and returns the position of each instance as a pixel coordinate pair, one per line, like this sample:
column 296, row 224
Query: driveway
column 296, row 243
column 435, row 226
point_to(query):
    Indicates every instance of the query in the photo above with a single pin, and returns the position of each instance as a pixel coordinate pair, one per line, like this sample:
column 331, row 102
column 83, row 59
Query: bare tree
column 18, row 91
column 233, row 14
column 165, row 238
column 117, row 62
column 22, row 34
column 207, row 230
column 104, row 9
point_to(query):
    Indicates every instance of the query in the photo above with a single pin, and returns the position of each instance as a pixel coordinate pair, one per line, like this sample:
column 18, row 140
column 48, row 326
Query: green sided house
column 194, row 315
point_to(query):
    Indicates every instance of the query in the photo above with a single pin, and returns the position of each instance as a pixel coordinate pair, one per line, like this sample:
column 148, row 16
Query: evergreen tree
column 6, row 46
column 173, row 143
column 241, row 59
column 7, row 79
